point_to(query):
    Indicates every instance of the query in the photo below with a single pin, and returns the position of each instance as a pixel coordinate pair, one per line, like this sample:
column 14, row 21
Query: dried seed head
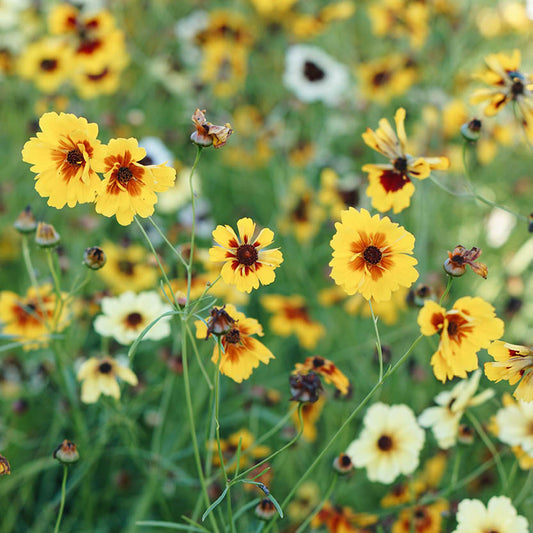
column 94, row 258
column 46, row 235
column 66, row 453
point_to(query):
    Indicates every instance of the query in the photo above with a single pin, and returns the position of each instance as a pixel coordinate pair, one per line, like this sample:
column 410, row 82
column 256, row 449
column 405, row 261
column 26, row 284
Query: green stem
column 447, row 290
column 198, row 358
column 378, row 340
column 170, row 245
column 53, row 271
column 63, row 493
column 526, row 490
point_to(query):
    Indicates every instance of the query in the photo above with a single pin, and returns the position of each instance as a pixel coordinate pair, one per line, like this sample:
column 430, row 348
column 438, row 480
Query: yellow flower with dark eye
column 247, row 263
column 390, row 185
column 63, row 156
column 5, row 469
column 421, row 518
column 372, row 255
column 469, row 326
column 325, row 368
column 129, row 187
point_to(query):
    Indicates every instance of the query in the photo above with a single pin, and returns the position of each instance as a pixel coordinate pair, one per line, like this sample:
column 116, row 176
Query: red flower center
column 246, row 254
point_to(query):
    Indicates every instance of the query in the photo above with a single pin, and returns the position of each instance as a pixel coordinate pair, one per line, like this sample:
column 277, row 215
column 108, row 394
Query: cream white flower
column 126, row 316
column 389, row 444
column 498, row 517
column 515, row 423
column 313, row 75
column 444, row 419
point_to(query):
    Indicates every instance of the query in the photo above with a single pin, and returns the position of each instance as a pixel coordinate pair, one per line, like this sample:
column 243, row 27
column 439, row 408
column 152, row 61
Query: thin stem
column 526, row 489
column 447, row 290
column 378, row 340
column 63, row 493
column 52, row 267
column 170, row 245
column 198, row 358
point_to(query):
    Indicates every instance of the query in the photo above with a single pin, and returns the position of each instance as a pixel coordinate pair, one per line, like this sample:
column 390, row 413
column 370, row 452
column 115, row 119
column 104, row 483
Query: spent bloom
column 390, row 185
column 469, row 326
column 63, row 156
column 445, row 417
column 66, row 452
column 513, row 363
column 389, row 444
column 208, row 134
column 246, row 261
column 325, row 368
column 499, row 516
column 371, row 255
column 240, row 352
column 5, row 468
column 457, row 261
column 99, row 376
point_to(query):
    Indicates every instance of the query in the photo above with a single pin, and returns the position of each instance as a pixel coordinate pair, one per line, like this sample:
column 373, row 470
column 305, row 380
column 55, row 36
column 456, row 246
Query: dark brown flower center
column 75, row 157
column 318, row 362
column 400, row 164
column 246, row 254
column 384, row 443
column 459, row 259
column 105, row 368
column 313, row 72
column 124, row 175
column 372, row 255
column 345, row 460
column 233, row 336
column 126, row 267
column 381, row 78
column 517, row 88
column 134, row 319
column 452, row 329
column 48, row 64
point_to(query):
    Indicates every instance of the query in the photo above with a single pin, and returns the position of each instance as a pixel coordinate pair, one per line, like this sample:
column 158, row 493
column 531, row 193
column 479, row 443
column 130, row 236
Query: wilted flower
column 208, row 134
column 46, row 235
column 219, row 322
column 66, row 452
column 457, row 260
column 305, row 388
column 325, row 368
column 25, row 222
column 94, row 258
column 5, row 468
column 265, row 509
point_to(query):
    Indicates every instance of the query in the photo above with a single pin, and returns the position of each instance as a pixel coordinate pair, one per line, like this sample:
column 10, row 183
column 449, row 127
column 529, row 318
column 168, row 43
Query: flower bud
column 457, row 260
column 25, row 222
column 219, row 323
column 5, row 469
column 66, row 453
column 265, row 509
column 46, row 235
column 94, row 258
column 465, row 434
column 343, row 464
column 471, row 130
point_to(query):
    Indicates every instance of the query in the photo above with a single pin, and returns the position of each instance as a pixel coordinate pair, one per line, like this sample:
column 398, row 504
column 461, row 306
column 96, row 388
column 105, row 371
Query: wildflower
column 291, row 315
column 343, row 464
column 342, row 519
column 305, row 387
column 66, row 453
column 469, row 326
column 513, row 363
column 208, row 134
column 471, row 130
column 390, row 185
column 513, row 423
column 46, row 235
column 25, row 222
column 129, row 188
column 389, row 444
column 99, row 376
column 326, row 369
column 444, row 419
column 421, row 519
column 314, row 76
column 240, row 352
column 499, row 516
column 508, row 84
column 94, row 258
column 126, row 316
column 5, row 468
column 246, row 263
column 63, row 156
column 265, row 509
column 219, row 323
column 457, row 260
column 371, row 255
column 127, row 268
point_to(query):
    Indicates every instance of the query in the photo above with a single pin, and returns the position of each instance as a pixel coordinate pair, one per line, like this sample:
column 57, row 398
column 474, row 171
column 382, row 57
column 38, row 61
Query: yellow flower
column 342, row 519
column 336, row 194
column 292, row 316
column 246, row 263
column 469, row 326
column 509, row 84
column 92, row 83
column 371, row 255
column 241, row 353
column 129, row 188
column 325, row 368
column 390, row 185
column 421, row 518
column 513, row 363
column 99, row 376
column 63, row 156
column 5, row 468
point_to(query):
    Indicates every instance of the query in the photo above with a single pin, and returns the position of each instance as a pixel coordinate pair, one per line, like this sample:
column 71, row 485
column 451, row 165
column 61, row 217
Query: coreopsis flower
column 305, row 388
column 126, row 316
column 469, row 326
column 313, row 75
column 63, row 156
column 208, row 134
column 444, row 419
column 513, row 363
column 5, row 468
column 325, row 368
column 127, row 268
column 457, row 261
column 241, row 352
column 513, row 422
column 66, row 453
column 342, row 519
column 247, row 263
column 371, row 255
column 129, row 187
column 390, row 185
column 389, row 444
column 291, row 315
column 421, row 518
column 508, row 84
column 99, row 376
column 499, row 516
column 28, row 319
